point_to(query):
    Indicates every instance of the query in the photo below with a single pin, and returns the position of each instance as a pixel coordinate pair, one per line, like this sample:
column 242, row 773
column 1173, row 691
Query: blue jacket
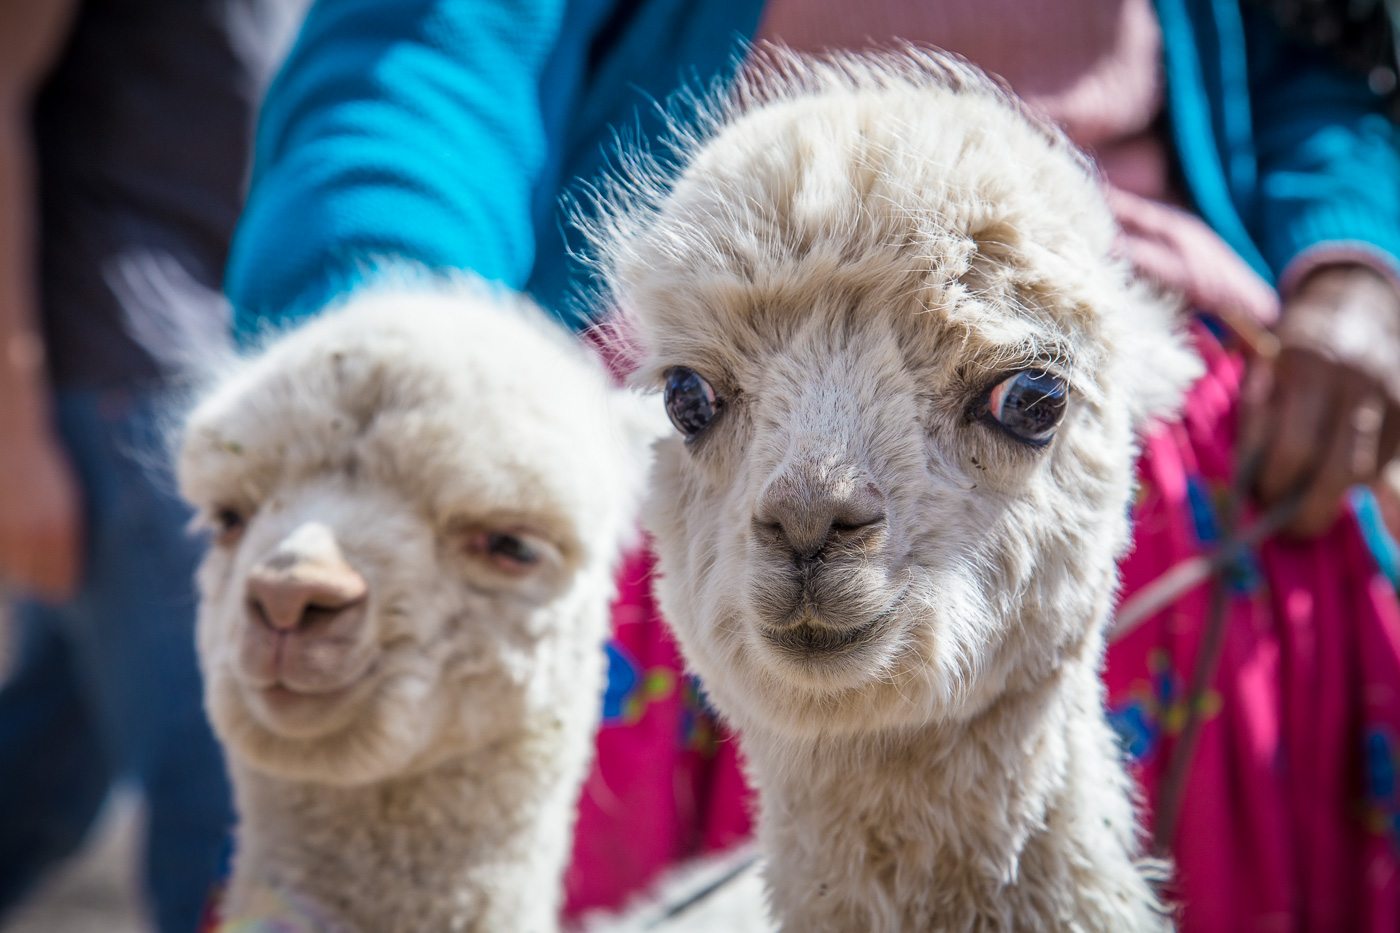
column 442, row 132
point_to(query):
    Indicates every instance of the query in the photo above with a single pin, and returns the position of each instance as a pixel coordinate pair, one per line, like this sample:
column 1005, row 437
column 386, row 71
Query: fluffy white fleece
column 418, row 765
column 856, row 250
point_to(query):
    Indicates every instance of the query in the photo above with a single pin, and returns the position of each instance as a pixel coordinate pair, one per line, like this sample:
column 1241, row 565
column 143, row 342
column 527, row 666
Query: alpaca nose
column 806, row 513
column 305, row 575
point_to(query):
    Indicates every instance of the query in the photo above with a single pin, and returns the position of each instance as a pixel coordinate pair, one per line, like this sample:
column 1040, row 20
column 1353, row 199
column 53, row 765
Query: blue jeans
column 106, row 686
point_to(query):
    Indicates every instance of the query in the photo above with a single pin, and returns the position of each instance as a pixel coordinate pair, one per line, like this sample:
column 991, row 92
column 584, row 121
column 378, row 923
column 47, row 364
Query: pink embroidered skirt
column 1292, row 807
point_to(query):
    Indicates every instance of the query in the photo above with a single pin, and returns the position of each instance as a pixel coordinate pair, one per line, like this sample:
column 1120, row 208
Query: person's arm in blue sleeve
column 1327, row 155
column 1326, row 217
column 397, row 131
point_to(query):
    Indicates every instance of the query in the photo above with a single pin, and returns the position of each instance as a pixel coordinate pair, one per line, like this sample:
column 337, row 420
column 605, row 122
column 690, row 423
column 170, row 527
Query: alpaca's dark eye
column 510, row 550
column 1029, row 404
column 690, row 401
column 228, row 525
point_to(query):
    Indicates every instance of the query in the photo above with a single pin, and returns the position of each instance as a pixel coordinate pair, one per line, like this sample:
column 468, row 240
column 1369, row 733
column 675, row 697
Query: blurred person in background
column 1251, row 172
column 124, row 142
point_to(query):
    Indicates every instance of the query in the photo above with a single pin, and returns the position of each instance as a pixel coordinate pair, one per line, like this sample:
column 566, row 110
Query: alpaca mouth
column 298, row 716
column 295, row 706
column 807, row 640
column 280, row 694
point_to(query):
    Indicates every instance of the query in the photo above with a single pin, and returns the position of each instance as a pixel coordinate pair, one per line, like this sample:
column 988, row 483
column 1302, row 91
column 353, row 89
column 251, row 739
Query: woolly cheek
column 218, row 617
column 679, row 491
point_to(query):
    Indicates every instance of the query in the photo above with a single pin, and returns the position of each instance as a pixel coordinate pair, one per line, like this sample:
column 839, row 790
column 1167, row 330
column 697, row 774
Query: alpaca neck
column 1021, row 813
column 473, row 844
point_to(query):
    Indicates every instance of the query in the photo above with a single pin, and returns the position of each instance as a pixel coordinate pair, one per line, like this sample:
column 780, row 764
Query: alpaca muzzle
column 306, row 615
column 820, row 588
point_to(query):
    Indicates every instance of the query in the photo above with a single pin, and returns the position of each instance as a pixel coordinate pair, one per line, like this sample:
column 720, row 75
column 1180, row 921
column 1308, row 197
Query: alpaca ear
column 1156, row 364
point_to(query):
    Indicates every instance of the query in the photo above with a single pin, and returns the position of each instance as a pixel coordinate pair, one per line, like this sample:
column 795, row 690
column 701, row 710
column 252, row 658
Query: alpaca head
column 416, row 503
column 905, row 368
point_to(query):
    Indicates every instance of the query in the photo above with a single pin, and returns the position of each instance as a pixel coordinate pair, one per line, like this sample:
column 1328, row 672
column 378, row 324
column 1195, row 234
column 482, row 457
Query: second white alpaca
column 906, row 368
column 418, row 501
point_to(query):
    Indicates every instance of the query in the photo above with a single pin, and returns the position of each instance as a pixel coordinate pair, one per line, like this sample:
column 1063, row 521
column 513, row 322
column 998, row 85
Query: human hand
column 1326, row 412
column 41, row 531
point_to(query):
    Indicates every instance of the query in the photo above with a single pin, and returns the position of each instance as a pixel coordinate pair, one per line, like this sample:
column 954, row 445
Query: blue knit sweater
column 442, row 133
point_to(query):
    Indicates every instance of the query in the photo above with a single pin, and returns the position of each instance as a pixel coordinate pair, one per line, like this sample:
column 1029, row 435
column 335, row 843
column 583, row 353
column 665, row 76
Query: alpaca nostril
column 808, row 532
column 769, row 532
column 286, row 597
column 807, row 523
column 856, row 523
column 258, row 611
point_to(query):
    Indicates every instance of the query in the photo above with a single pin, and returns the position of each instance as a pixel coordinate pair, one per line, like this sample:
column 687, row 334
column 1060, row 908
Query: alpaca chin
column 348, row 740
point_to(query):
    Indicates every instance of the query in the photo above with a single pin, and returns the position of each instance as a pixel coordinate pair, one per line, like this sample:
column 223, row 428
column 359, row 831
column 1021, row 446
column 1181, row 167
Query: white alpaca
column 418, row 501
column 885, row 308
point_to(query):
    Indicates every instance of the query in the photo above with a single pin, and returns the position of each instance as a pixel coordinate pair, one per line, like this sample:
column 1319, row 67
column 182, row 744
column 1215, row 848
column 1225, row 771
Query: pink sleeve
column 1338, row 252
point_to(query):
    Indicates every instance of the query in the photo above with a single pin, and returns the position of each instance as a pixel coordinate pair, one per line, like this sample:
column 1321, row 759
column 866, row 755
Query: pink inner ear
column 615, row 341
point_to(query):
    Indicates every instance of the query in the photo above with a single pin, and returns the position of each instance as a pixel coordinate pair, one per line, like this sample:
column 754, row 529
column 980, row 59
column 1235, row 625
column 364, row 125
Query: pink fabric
column 666, row 784
column 1091, row 66
column 1340, row 252
column 1292, row 816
